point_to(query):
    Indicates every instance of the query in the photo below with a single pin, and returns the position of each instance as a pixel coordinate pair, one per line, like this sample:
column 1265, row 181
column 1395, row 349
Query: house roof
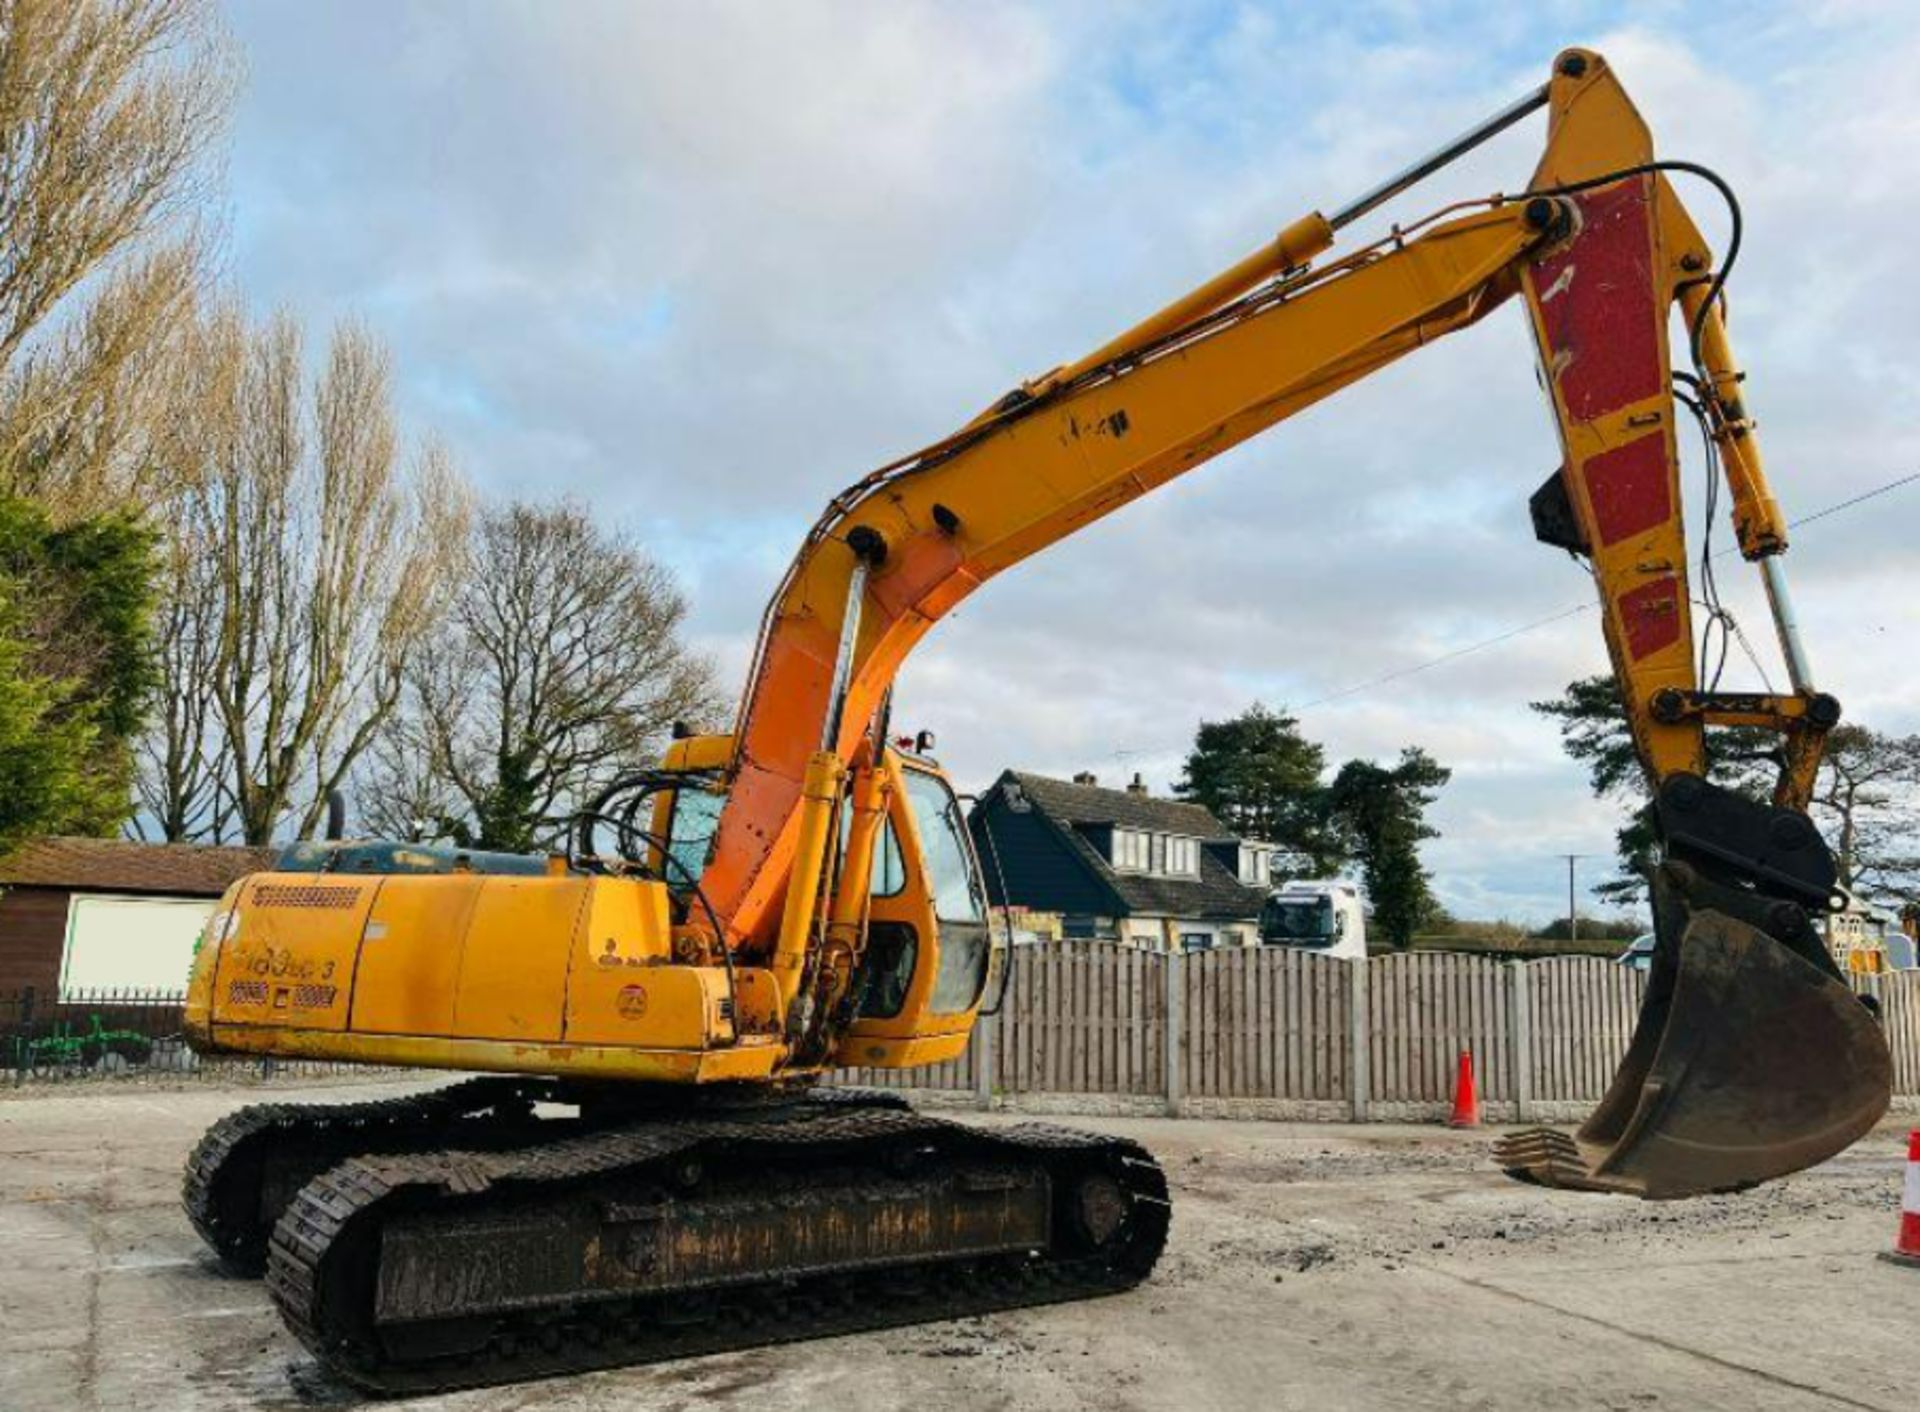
column 116, row 865
column 1217, row 894
column 1092, row 804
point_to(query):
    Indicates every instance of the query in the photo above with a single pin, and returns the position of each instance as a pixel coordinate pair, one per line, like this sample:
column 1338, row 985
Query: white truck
column 1326, row 916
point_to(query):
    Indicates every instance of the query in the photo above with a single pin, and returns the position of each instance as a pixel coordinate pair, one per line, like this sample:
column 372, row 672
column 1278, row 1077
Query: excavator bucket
column 1751, row 1059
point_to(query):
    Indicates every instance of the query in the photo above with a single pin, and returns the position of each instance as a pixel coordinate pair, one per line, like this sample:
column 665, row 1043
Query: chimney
column 1086, row 777
column 1139, row 786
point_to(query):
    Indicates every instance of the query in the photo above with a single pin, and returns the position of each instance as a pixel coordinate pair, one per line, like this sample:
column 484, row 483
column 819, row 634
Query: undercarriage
column 461, row 1238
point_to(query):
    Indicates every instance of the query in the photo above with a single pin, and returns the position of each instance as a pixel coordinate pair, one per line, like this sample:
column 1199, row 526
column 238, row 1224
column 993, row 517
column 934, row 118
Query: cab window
column 949, row 866
column 889, row 868
column 696, row 814
column 965, row 942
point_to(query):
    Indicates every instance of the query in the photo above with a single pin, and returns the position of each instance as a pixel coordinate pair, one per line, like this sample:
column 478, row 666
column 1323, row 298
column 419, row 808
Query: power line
column 1572, row 610
column 1578, row 608
column 1446, row 657
column 1857, row 500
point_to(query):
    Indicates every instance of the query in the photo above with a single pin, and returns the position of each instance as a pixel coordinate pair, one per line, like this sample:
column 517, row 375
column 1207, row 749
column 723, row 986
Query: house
column 1868, row 937
column 1119, row 864
column 86, row 914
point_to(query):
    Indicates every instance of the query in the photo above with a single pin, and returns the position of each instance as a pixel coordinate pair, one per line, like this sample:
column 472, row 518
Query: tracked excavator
column 648, row 1167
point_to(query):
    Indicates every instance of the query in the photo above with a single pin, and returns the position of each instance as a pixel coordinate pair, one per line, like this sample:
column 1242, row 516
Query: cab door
column 928, row 939
column 957, row 899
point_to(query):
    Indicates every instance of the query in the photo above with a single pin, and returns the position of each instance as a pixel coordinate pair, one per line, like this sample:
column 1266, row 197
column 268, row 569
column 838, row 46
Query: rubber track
column 335, row 1217
column 219, row 1194
column 225, row 1217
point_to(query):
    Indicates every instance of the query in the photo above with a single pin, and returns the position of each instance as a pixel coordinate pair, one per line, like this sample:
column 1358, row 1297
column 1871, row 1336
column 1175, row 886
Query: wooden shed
column 87, row 914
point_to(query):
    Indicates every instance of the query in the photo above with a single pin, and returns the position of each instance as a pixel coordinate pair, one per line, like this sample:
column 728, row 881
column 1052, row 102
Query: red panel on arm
column 1650, row 614
column 1630, row 487
column 1596, row 303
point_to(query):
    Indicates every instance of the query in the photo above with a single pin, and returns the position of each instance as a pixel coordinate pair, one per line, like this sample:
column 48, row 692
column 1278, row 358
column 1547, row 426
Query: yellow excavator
column 647, row 1167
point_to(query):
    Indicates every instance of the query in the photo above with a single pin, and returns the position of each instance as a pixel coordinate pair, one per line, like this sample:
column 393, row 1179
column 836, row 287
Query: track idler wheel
column 1099, row 1210
column 1751, row 1059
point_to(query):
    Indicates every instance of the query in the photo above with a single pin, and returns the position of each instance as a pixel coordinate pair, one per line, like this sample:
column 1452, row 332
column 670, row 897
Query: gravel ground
column 1310, row 1266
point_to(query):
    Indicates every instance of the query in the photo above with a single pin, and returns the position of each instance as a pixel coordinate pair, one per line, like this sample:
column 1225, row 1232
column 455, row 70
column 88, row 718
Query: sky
column 701, row 265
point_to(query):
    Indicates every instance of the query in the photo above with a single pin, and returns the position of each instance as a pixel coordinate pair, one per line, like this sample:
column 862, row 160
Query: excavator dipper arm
column 1752, row 1057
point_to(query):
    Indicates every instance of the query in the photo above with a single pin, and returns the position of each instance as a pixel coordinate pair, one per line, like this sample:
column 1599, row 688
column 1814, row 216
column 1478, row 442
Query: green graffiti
column 68, row 1046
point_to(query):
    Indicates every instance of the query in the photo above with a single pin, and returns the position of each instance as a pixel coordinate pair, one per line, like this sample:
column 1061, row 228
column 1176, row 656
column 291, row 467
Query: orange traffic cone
column 1906, row 1250
column 1466, row 1098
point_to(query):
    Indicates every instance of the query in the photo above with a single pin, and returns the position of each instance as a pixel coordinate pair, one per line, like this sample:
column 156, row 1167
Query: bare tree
column 107, row 112
column 562, row 663
column 183, row 784
column 308, row 558
column 400, row 794
column 1868, row 804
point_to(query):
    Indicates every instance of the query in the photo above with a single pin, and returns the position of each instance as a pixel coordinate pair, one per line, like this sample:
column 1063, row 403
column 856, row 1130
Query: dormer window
column 1256, row 865
column 1166, row 855
column 1183, row 856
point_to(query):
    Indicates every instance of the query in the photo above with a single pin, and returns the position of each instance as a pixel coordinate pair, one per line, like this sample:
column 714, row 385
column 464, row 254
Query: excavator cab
column 901, row 980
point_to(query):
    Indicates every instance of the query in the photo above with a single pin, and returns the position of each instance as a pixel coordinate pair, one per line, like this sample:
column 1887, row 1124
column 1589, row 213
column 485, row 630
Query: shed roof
column 117, row 865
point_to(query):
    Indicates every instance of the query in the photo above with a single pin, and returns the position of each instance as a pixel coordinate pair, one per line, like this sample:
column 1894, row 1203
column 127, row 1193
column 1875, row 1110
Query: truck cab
column 1324, row 916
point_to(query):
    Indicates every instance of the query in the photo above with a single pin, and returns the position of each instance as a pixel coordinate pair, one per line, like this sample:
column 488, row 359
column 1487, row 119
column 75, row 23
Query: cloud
column 704, row 265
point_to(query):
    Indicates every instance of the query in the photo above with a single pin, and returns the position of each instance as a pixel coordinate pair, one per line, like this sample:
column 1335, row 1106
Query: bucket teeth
column 1546, row 1157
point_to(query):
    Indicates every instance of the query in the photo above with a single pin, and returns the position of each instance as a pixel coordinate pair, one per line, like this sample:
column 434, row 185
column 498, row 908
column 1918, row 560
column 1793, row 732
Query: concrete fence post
column 1359, row 1040
column 23, row 1037
column 1520, row 1032
column 1176, row 1031
column 986, row 1037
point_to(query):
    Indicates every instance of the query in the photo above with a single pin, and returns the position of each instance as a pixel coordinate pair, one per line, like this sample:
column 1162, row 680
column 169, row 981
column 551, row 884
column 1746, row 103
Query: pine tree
column 1382, row 812
column 1260, row 777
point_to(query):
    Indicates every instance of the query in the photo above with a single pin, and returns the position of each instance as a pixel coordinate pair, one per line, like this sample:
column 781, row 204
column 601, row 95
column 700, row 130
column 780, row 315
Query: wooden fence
column 1899, row 997
column 1287, row 1033
column 1266, row 1023
column 1262, row 1032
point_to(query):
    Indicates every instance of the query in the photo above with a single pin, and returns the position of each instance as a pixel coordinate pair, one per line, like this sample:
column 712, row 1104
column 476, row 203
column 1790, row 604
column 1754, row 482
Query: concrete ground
column 1310, row 1266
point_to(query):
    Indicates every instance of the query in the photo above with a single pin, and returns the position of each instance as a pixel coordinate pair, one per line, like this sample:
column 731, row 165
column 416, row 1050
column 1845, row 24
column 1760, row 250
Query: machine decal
column 1651, row 616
